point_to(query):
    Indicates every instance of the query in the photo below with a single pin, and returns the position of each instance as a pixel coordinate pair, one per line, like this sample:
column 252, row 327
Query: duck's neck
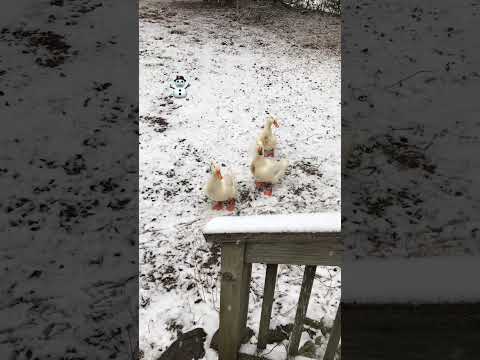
column 268, row 128
column 214, row 179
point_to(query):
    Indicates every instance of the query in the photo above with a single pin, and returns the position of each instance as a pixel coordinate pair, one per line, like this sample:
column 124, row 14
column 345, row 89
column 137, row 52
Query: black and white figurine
column 179, row 87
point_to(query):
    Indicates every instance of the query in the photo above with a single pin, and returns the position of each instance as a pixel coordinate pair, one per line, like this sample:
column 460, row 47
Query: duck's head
column 272, row 121
column 216, row 171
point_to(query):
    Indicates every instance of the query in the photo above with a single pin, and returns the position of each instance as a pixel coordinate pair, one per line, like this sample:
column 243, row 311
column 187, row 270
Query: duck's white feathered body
column 221, row 189
column 268, row 170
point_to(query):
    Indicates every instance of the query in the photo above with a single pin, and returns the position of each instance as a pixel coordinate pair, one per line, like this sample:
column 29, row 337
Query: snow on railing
column 314, row 223
column 301, row 239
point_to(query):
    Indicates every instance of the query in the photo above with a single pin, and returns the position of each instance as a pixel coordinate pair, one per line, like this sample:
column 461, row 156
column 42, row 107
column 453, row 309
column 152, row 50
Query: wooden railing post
column 334, row 338
column 235, row 285
column 243, row 243
column 302, row 307
column 267, row 303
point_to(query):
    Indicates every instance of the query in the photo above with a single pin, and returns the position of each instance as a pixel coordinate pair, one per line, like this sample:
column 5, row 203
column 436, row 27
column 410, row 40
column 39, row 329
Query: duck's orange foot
column 259, row 184
column 268, row 190
column 218, row 205
column 231, row 205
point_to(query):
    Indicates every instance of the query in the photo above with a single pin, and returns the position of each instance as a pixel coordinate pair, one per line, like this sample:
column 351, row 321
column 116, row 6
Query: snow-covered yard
column 242, row 65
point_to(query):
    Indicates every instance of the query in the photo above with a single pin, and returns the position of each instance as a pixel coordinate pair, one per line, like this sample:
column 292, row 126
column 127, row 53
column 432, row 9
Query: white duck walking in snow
column 221, row 188
column 267, row 138
column 267, row 171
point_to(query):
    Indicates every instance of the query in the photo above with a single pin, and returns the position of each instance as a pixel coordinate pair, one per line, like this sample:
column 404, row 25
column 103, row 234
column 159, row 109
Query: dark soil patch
column 160, row 124
column 173, row 326
column 102, row 86
column 311, row 46
column 75, row 165
column 186, row 185
column 398, row 151
column 168, row 277
column 378, row 206
column 407, row 155
column 244, row 194
column 118, row 204
column 178, row 32
column 51, row 48
column 213, row 257
column 144, row 302
column 307, row 167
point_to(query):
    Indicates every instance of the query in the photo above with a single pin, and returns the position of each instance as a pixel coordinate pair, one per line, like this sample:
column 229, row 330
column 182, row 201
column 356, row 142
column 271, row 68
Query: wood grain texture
column 297, row 253
column 302, row 306
column 328, row 237
column 239, row 251
column 287, row 248
column 267, row 303
column 235, row 285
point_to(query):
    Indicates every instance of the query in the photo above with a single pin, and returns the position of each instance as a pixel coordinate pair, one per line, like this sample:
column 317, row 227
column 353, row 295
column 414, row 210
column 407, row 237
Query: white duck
column 267, row 171
column 267, row 138
column 221, row 188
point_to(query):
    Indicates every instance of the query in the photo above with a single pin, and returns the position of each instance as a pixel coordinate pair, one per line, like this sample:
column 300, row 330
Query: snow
column 272, row 351
column 241, row 67
column 417, row 280
column 315, row 223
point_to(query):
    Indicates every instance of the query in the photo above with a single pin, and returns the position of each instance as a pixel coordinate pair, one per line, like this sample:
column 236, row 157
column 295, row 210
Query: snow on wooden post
column 300, row 239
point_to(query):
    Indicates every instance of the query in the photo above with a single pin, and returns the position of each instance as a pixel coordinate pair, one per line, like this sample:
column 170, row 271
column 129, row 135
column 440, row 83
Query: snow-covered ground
column 410, row 90
column 242, row 65
column 68, row 213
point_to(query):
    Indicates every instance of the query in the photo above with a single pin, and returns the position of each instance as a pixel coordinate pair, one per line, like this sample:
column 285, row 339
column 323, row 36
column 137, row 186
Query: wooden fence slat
column 334, row 338
column 319, row 246
column 297, row 253
column 268, row 292
column 329, row 239
column 307, row 283
column 235, row 285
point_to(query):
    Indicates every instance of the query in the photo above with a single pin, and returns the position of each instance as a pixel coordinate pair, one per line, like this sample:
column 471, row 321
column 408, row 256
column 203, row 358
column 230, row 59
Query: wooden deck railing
column 243, row 243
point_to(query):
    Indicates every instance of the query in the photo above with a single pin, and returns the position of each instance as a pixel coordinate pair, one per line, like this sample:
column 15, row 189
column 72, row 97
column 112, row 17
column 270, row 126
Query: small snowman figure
column 179, row 87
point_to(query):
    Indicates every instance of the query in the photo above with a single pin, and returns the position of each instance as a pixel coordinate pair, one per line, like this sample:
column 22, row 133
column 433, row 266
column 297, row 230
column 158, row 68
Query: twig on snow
column 406, row 78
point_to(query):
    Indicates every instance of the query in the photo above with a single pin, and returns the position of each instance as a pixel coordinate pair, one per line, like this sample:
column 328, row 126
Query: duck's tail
column 281, row 168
